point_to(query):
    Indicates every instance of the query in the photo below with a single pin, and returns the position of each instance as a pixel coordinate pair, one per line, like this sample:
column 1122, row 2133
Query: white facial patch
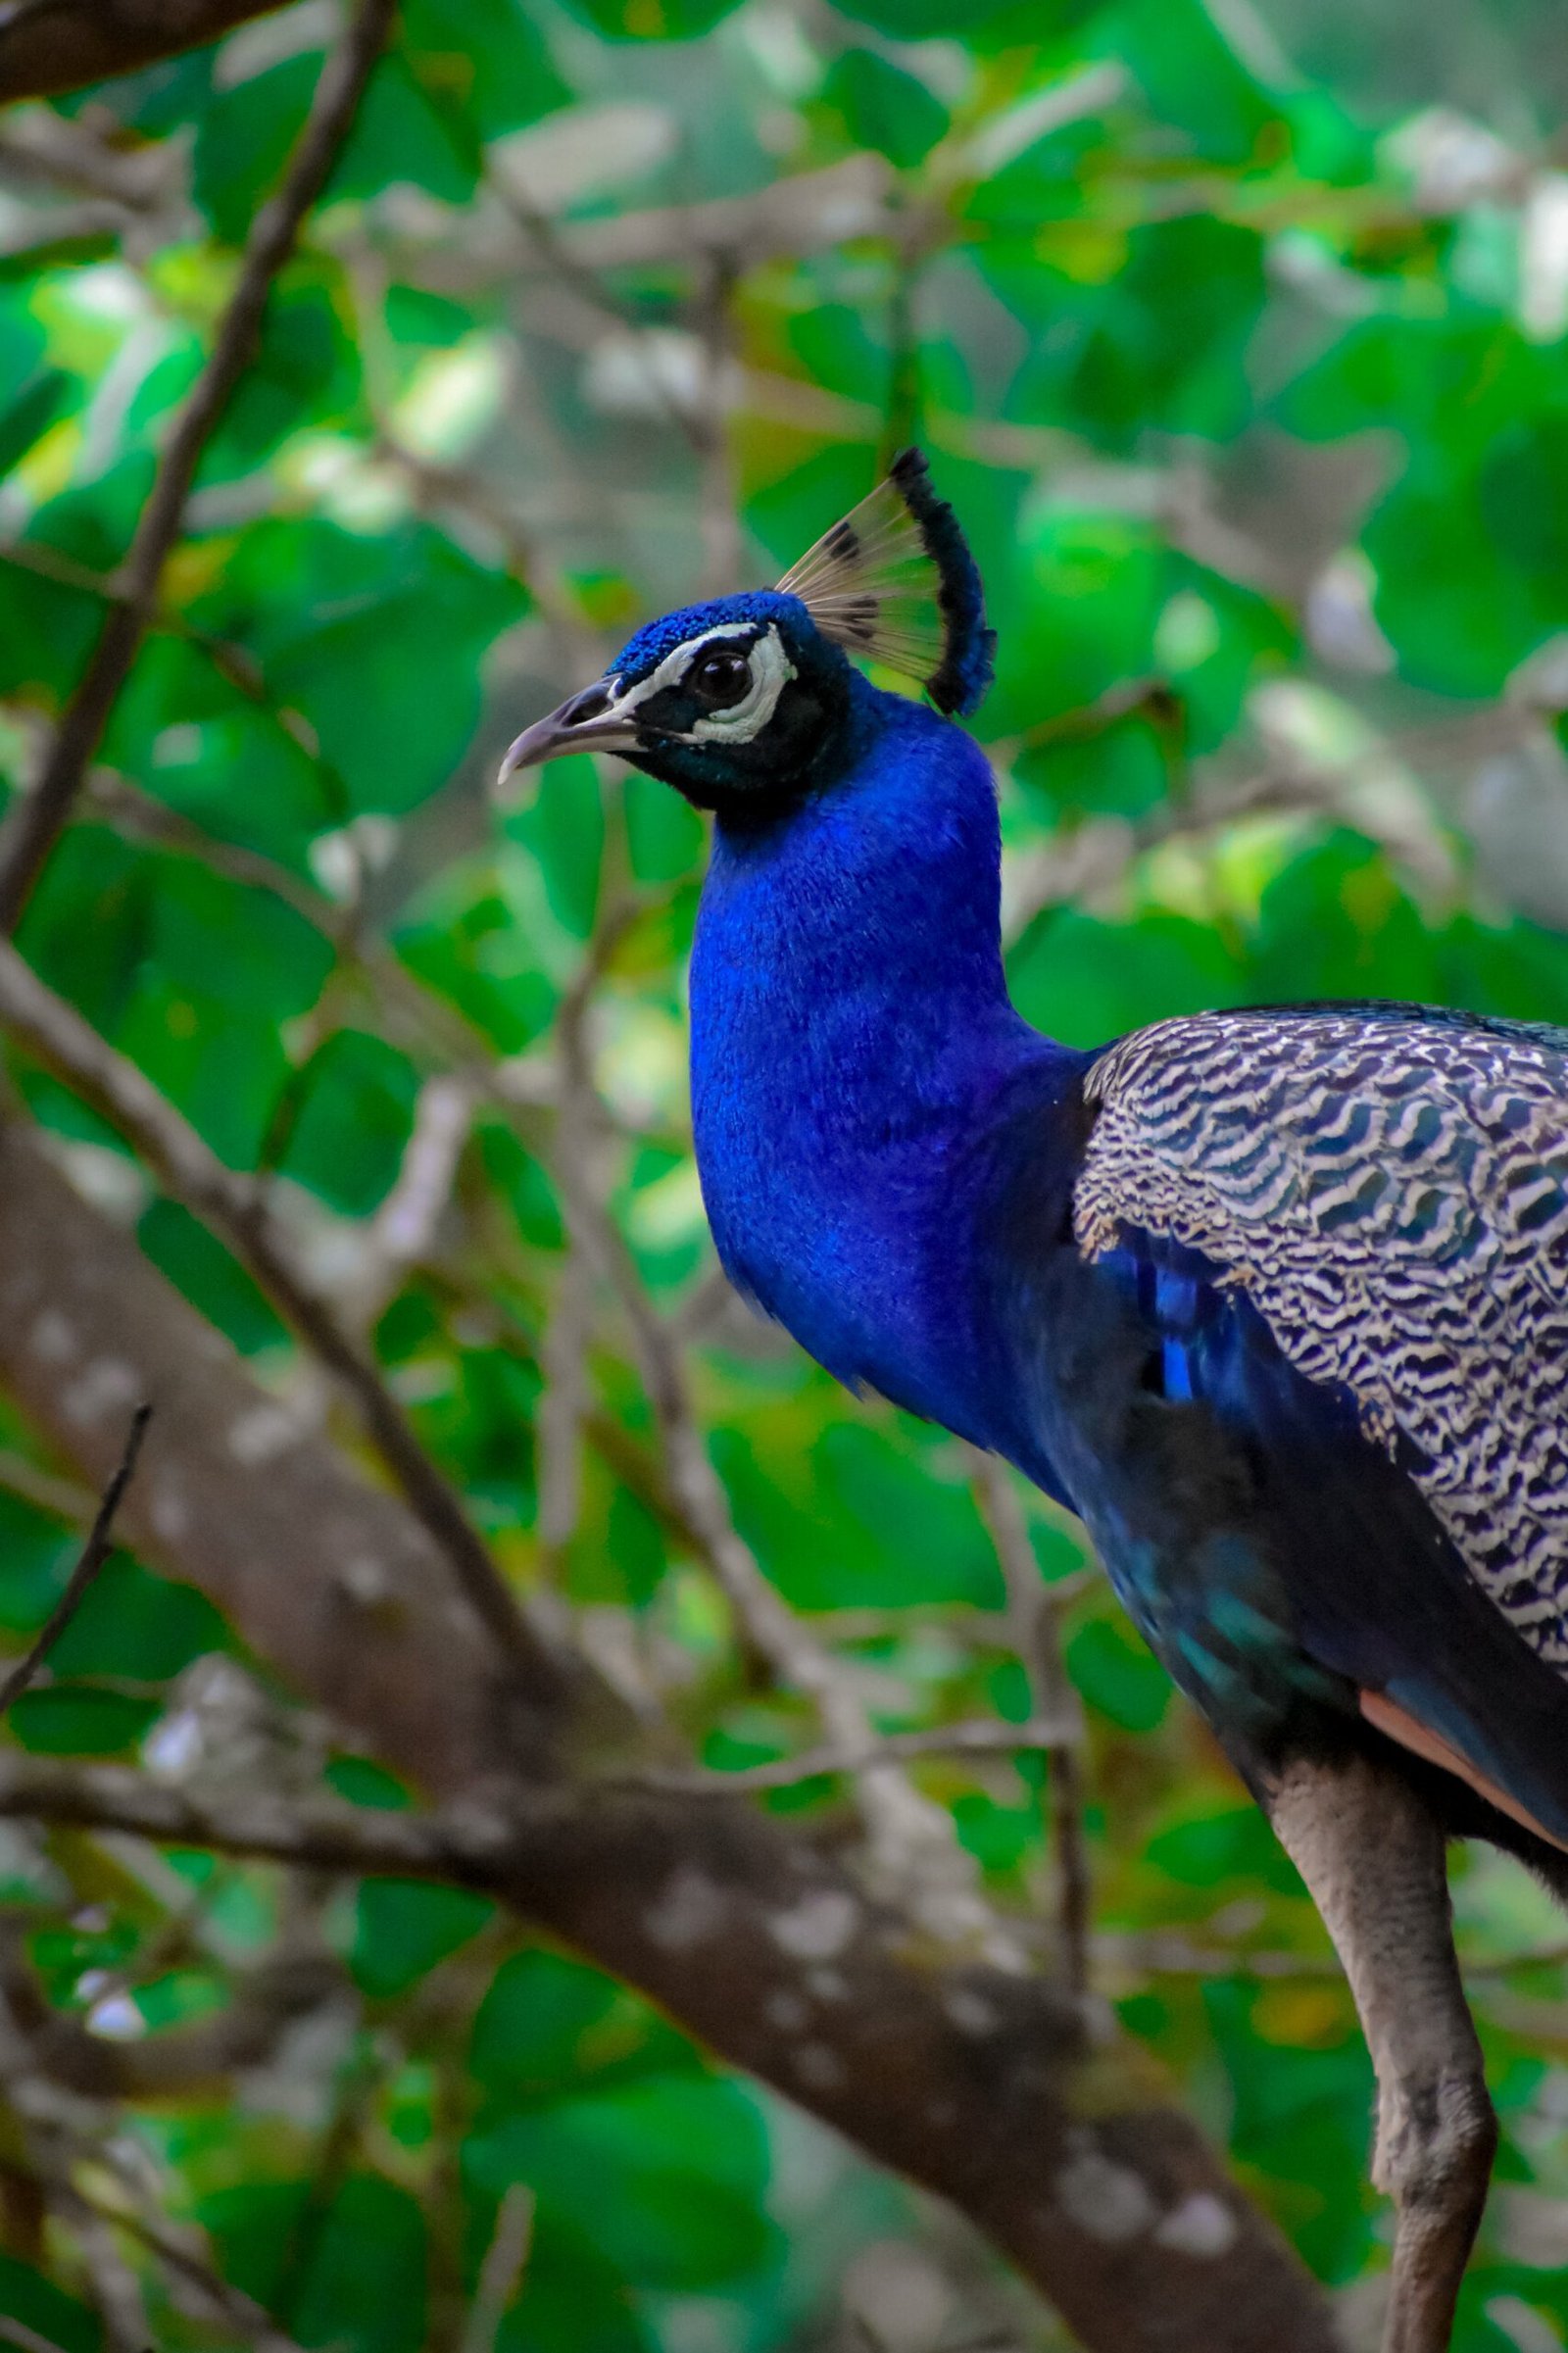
column 771, row 671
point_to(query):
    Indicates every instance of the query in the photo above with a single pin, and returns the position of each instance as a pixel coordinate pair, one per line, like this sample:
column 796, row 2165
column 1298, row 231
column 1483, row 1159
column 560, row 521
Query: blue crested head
column 748, row 704
column 740, row 703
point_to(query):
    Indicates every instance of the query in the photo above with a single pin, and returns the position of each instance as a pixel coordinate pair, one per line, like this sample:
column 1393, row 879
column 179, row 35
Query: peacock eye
column 719, row 679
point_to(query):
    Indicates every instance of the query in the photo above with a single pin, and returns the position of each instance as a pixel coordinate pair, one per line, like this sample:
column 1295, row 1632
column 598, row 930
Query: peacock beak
column 586, row 722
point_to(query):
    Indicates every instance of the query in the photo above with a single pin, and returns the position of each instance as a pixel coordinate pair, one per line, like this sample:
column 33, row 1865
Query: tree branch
column 985, row 1738
column 30, row 834
column 235, row 1206
column 50, row 45
column 967, row 2079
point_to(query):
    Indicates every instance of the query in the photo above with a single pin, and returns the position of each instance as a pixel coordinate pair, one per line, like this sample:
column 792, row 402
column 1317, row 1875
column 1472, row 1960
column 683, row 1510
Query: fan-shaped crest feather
column 894, row 581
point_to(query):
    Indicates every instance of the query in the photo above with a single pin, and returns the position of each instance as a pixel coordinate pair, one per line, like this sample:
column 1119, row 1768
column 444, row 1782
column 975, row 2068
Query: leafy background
column 1236, row 332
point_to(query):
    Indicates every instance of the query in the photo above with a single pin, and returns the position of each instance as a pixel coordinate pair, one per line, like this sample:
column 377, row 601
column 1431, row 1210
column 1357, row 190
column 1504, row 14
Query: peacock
column 1276, row 1301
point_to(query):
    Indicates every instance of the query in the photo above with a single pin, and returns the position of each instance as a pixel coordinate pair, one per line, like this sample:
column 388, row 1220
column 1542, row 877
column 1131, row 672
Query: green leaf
column 64, row 1720
column 33, row 2301
column 650, row 19
column 189, row 973
column 29, row 414
column 351, row 1119
column 562, row 828
column 376, row 639
column 930, row 20
column 1088, row 982
column 243, row 138
column 487, row 62
column 1195, row 81
column 35, row 1557
column 670, row 2170
column 134, row 1624
column 884, row 107
column 306, row 371
column 549, row 2025
column 574, row 2300
column 1337, row 923
column 361, row 2282
column 664, row 833
column 211, row 1277
column 403, row 1927
column 1117, row 1674
column 854, row 1521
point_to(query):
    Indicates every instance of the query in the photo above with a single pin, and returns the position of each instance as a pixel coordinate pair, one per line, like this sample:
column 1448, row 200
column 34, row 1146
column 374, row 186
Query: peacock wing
column 1388, row 1187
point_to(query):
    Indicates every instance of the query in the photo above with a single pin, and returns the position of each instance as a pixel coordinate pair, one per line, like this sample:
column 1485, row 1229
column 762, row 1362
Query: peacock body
column 1276, row 1299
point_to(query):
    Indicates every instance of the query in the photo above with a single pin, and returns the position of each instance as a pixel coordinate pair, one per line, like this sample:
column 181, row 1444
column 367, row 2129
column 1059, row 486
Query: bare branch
column 25, row 2339
column 28, row 837
column 175, row 2248
column 49, row 46
column 94, row 1553
column 1037, row 1637
column 987, row 1736
column 500, row 2273
column 472, row 1846
column 235, row 1206
column 807, row 213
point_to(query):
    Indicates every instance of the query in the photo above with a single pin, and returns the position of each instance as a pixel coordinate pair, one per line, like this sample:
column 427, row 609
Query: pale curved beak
column 585, row 723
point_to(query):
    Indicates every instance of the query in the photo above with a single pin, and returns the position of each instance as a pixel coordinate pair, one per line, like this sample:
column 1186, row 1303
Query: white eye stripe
column 771, row 671
column 674, row 666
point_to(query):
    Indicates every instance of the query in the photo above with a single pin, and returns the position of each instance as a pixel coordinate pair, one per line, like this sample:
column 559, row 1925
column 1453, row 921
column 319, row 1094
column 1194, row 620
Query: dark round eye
column 720, row 678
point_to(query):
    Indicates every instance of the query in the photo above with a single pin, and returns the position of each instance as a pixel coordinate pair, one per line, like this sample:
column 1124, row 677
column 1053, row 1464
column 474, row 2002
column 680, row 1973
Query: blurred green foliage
column 1252, row 391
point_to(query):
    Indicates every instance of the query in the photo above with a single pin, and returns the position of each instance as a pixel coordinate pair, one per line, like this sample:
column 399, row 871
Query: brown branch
column 25, row 2339
column 808, row 212
column 94, row 1553
column 472, row 1846
column 50, row 45
column 28, row 837
column 235, row 1207
column 970, row 2080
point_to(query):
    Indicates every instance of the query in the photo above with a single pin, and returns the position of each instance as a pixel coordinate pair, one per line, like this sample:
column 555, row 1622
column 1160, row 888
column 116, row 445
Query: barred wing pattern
column 1390, row 1187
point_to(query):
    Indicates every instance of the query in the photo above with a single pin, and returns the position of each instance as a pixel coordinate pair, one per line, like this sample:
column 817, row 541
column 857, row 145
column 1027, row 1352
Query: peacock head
column 746, row 703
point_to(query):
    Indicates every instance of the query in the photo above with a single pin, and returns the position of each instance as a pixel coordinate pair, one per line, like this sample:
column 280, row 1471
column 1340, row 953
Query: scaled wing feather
column 1390, row 1187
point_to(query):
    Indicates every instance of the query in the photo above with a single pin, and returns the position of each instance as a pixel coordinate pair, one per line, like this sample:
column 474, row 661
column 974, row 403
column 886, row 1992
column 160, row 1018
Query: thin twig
column 500, row 2273
column 28, row 837
column 17, row 2332
column 49, row 2123
column 223, row 2301
column 1037, row 1639
column 985, row 1736
column 94, row 1553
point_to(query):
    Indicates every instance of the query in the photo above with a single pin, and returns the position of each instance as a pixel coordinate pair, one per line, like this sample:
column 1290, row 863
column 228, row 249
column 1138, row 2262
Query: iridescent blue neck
column 853, row 1040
